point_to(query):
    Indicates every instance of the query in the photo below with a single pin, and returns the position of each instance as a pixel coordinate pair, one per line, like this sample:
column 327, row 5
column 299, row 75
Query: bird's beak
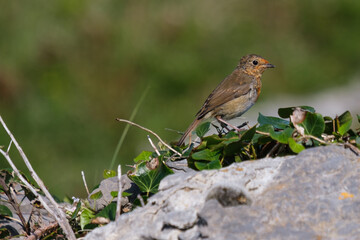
column 268, row 65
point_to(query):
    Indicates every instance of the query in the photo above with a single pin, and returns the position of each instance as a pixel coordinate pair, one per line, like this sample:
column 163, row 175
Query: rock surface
column 314, row 195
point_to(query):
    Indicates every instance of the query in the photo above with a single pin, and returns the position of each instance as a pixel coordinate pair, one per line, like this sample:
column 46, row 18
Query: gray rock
column 314, row 195
column 111, row 184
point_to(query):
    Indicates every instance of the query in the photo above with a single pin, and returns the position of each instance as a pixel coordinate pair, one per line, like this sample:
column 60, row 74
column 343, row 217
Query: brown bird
column 234, row 95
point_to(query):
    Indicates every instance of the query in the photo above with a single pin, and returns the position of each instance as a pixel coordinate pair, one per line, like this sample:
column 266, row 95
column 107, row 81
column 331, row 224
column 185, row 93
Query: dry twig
column 58, row 214
column 148, row 130
column 84, row 180
column 43, row 230
column 118, row 202
column 153, row 146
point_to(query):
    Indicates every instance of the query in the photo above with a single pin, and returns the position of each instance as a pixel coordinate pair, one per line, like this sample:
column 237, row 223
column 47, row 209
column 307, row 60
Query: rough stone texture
column 111, row 184
column 314, row 195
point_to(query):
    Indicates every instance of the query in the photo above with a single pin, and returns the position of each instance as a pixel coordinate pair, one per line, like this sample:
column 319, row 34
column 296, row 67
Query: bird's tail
column 192, row 126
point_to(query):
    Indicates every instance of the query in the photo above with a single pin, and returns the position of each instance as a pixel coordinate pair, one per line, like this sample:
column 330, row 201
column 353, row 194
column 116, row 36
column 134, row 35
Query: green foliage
column 108, row 212
column 294, row 146
column 85, row 219
column 109, row 173
column 147, row 177
column 314, row 124
column 272, row 136
column 96, row 195
column 202, row 129
column 5, row 211
column 143, row 156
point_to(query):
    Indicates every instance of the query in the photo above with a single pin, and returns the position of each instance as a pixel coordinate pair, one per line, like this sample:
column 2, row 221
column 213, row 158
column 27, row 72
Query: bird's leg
column 228, row 124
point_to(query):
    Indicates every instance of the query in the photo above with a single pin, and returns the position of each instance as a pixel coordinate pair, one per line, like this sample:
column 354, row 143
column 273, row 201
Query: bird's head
column 254, row 64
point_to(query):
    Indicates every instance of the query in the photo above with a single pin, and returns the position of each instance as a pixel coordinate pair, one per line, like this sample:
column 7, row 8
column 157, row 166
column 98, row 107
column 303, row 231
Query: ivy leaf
column 286, row 112
column 248, row 134
column 143, row 156
column 85, row 219
column 96, row 195
column 345, row 121
column 109, row 173
column 294, row 146
column 208, row 166
column 274, row 121
column 207, row 155
column 148, row 180
column 202, row 129
column 282, row 136
column 313, row 124
column 5, row 211
column 114, row 194
column 108, row 212
column 265, row 128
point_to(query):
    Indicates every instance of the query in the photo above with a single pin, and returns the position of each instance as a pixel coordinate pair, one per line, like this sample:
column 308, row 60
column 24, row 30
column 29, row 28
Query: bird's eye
column 255, row 62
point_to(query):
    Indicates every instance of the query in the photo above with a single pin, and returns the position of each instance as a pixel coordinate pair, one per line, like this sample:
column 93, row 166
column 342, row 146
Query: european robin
column 234, row 95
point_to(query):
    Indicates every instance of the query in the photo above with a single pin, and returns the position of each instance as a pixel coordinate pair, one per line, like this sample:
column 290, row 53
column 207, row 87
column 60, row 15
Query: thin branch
column 317, row 139
column 60, row 215
column 152, row 144
column 123, row 135
column 12, row 219
column 7, row 151
column 84, row 180
column 27, row 184
column 42, row 231
column 263, row 133
column 148, row 130
column 272, row 151
column 352, row 148
column 118, row 202
column 13, row 202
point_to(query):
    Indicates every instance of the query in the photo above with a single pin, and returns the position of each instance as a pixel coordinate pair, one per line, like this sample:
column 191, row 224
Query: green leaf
column 313, row 124
column 358, row 117
column 109, row 173
column 329, row 125
column 148, row 180
column 209, row 165
column 5, row 211
column 282, row 136
column 231, row 134
column 265, row 128
column 294, row 146
column 345, row 121
column 108, row 212
column 77, row 209
column 274, row 121
column 96, row 195
column 206, row 154
column 248, row 134
column 202, row 129
column 143, row 156
column 85, row 218
column 114, row 194
column 188, row 151
column 212, row 140
column 286, row 112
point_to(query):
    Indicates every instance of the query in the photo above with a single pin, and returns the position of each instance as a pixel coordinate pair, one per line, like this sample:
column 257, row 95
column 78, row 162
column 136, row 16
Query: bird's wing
column 233, row 86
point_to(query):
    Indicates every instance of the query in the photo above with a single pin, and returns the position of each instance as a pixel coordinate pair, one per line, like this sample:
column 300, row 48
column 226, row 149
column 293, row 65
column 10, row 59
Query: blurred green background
column 69, row 68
